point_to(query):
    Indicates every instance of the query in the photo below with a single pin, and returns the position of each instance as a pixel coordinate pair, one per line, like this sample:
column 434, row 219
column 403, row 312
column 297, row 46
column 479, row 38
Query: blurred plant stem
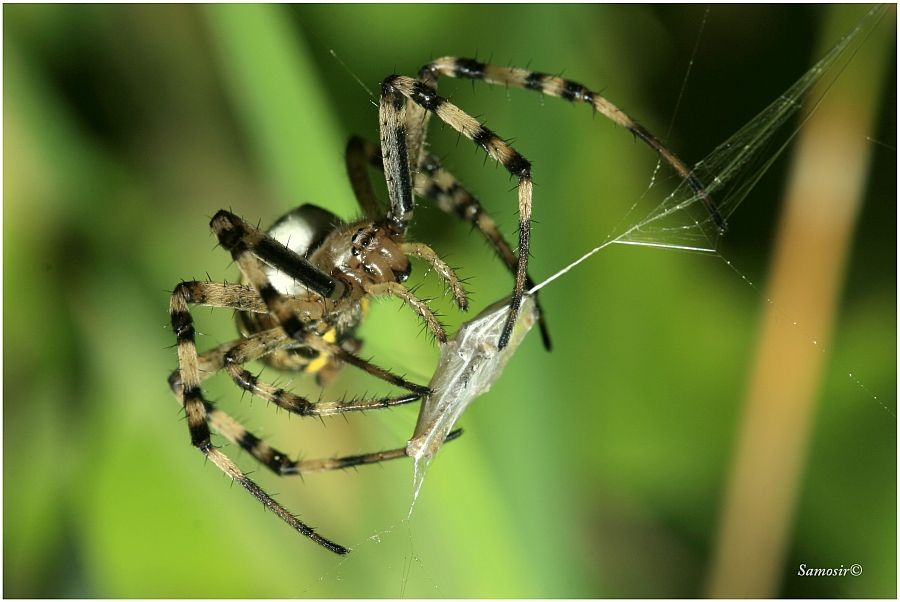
column 827, row 184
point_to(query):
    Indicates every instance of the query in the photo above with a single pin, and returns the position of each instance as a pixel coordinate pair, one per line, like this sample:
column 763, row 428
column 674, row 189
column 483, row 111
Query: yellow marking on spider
column 318, row 363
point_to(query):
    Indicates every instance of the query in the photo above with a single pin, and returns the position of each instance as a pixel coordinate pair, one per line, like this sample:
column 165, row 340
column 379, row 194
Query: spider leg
column 256, row 346
column 212, row 361
column 555, row 86
column 324, row 367
column 438, row 185
column 415, row 120
column 222, row 294
column 393, row 119
column 279, row 463
column 246, row 243
column 420, row 307
column 231, row 357
column 447, row 274
column 259, row 345
column 197, row 411
column 395, row 158
column 245, row 299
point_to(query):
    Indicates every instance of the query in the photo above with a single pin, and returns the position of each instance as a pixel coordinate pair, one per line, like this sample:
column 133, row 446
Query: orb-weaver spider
column 309, row 277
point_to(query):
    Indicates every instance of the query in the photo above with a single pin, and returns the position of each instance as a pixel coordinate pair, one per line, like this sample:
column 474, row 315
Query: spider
column 308, row 279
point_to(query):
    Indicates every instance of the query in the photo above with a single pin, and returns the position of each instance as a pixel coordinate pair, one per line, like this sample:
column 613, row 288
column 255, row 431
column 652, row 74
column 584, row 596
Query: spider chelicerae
column 308, row 278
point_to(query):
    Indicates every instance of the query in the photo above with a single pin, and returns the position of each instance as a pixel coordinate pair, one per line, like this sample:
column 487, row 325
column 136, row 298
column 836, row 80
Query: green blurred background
column 596, row 470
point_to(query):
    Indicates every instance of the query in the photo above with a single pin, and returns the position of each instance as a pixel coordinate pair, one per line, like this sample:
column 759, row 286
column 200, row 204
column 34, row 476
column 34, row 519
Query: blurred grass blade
column 281, row 103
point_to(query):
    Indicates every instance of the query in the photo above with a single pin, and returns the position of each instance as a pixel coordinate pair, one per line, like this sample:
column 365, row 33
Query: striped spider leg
column 280, row 351
column 309, row 281
column 403, row 126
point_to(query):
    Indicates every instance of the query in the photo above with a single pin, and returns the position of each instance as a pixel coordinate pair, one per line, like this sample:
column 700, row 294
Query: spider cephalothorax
column 307, row 280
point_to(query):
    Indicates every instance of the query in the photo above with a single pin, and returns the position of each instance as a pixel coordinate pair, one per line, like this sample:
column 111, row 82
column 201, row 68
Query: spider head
column 376, row 256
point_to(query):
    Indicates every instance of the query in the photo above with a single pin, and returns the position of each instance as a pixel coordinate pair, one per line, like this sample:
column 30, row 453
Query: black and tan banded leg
column 416, row 116
column 248, row 246
column 279, row 462
column 393, row 120
column 558, row 87
column 257, row 345
column 439, row 186
column 232, row 356
column 197, row 412
column 245, row 299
